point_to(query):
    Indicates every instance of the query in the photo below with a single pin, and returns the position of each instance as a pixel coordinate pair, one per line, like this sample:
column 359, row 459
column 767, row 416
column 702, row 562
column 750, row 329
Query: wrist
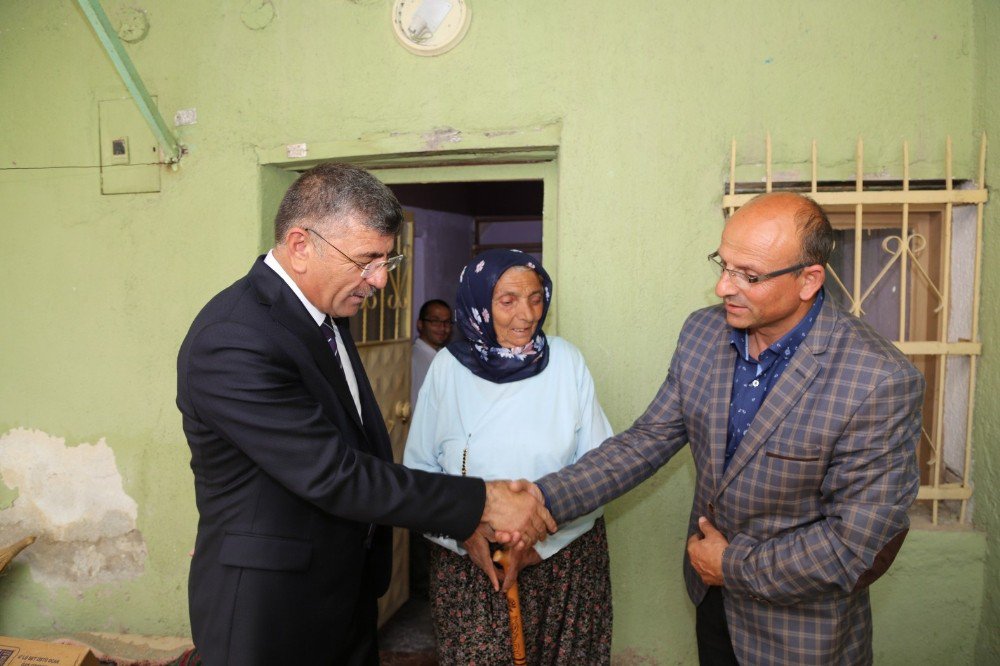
column 733, row 558
column 545, row 496
column 489, row 507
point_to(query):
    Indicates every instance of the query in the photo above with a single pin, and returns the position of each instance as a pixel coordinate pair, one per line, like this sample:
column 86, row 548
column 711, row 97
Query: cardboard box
column 23, row 652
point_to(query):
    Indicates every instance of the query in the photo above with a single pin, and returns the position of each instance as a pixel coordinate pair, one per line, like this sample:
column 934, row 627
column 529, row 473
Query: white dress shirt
column 319, row 317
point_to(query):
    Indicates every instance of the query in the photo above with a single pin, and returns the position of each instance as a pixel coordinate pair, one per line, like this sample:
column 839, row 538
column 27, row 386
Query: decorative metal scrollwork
column 894, row 247
column 384, row 313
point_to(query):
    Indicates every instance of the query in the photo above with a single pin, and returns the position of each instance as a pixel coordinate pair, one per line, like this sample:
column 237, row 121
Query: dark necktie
column 331, row 339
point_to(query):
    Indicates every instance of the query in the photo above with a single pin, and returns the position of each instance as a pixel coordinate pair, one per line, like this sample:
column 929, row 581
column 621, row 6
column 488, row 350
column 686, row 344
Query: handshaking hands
column 514, row 515
column 515, row 510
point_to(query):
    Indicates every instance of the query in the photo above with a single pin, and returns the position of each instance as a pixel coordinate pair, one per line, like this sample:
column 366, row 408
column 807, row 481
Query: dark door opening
column 451, row 223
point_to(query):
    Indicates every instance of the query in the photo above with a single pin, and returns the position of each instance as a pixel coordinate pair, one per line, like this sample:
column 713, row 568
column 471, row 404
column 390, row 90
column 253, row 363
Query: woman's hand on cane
column 516, row 560
column 478, row 546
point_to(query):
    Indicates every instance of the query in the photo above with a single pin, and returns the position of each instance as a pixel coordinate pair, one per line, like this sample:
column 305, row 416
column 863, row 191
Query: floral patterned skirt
column 565, row 607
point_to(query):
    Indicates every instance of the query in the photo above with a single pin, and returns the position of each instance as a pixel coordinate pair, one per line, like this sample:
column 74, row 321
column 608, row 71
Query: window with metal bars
column 908, row 261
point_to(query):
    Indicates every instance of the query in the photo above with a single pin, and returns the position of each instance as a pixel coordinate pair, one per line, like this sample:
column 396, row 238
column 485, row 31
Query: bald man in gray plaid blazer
column 791, row 525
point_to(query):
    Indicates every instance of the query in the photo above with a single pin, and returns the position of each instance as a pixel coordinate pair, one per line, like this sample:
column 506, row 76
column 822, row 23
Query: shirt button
column 755, row 383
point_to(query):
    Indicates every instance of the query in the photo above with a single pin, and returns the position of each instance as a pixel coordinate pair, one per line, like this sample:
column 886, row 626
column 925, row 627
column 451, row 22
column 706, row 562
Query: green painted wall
column 986, row 432
column 99, row 290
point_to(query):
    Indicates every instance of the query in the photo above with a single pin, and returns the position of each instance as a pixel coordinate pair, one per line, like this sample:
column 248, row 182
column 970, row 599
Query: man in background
column 434, row 331
column 434, row 323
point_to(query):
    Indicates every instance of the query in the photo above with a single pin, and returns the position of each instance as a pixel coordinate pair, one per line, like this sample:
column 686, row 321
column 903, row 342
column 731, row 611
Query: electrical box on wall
column 130, row 158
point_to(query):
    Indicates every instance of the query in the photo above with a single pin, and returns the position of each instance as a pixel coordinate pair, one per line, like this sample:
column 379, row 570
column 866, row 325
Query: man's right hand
column 523, row 485
column 516, row 511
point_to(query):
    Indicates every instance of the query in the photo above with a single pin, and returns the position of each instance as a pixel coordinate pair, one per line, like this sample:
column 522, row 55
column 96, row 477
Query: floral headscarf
column 479, row 351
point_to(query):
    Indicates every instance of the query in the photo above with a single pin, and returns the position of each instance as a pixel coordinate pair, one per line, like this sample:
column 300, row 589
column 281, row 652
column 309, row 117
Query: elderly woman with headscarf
column 505, row 402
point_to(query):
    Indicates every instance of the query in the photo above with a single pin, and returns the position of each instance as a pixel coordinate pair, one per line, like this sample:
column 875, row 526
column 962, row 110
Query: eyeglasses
column 743, row 279
column 369, row 269
column 438, row 322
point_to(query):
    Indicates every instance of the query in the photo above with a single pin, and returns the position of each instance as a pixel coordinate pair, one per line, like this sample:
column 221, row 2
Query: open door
column 382, row 332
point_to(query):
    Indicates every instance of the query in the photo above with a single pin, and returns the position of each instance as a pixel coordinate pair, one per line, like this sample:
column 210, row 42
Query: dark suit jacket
column 288, row 480
column 813, row 503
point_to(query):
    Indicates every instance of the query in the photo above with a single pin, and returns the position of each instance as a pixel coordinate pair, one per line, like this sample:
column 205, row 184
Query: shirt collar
column 314, row 312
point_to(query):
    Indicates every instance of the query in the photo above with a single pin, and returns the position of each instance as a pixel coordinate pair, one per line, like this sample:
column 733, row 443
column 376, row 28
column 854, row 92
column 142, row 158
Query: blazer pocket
column 794, row 458
column 256, row 551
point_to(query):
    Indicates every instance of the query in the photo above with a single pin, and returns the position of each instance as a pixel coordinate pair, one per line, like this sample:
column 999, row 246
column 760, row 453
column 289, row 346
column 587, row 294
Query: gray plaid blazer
column 813, row 503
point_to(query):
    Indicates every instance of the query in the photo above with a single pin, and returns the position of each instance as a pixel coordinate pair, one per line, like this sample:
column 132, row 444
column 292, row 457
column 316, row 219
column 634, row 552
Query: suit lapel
column 786, row 393
column 289, row 313
column 722, row 389
column 374, row 426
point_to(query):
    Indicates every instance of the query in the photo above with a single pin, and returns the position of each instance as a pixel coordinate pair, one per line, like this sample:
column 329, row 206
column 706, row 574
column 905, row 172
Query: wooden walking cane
column 514, row 612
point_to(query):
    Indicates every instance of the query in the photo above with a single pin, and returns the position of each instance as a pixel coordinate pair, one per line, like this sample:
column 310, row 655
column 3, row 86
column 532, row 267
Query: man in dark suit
column 803, row 423
column 292, row 464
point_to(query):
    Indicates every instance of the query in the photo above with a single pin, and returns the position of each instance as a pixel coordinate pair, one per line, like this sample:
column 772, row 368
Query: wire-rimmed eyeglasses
column 369, row 269
column 742, row 278
column 437, row 322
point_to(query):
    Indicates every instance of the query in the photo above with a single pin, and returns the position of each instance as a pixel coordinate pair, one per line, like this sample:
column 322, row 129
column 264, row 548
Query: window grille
column 385, row 315
column 909, row 263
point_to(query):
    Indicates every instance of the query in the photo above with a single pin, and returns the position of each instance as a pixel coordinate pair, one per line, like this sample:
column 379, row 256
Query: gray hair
column 331, row 192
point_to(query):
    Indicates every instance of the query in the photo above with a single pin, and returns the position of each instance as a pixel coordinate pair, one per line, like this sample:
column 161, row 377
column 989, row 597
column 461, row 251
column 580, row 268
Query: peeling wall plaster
column 7, row 495
column 72, row 499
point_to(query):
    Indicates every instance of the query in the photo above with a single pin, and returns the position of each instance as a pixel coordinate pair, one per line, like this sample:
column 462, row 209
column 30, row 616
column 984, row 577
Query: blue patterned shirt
column 752, row 379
